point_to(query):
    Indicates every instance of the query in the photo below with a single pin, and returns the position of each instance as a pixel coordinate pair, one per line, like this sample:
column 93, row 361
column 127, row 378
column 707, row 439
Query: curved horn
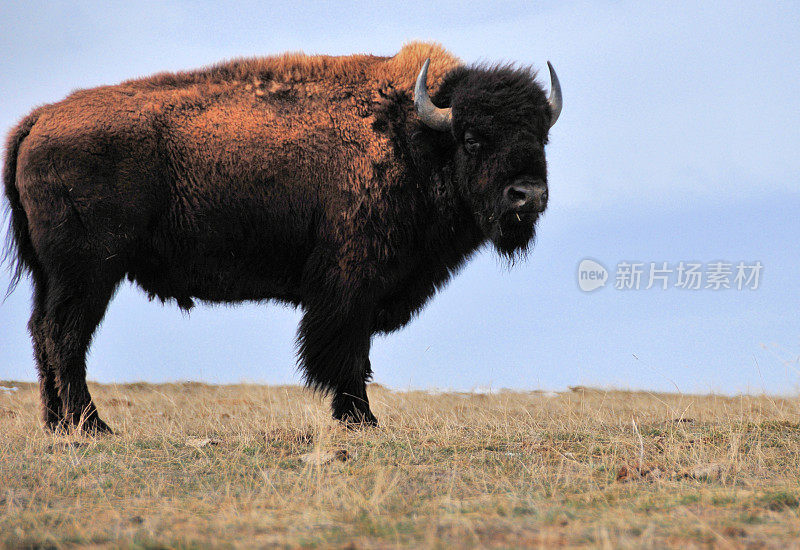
column 431, row 115
column 555, row 95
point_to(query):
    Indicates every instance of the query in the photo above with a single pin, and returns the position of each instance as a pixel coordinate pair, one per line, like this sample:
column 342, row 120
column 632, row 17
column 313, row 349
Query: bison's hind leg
column 62, row 331
column 52, row 413
column 72, row 316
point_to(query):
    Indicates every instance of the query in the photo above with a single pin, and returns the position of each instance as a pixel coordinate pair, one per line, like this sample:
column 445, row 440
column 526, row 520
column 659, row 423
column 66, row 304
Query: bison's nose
column 526, row 196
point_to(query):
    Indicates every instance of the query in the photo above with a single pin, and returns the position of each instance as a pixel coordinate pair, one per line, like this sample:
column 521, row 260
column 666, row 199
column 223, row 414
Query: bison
column 336, row 184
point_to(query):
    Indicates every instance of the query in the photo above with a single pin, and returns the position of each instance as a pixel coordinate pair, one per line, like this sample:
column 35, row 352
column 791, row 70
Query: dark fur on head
column 507, row 108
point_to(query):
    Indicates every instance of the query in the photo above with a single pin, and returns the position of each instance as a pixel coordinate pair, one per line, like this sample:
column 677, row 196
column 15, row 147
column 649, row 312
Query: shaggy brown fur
column 303, row 179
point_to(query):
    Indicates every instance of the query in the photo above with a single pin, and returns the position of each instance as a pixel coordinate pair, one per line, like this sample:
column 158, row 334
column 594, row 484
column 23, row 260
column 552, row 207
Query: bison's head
column 499, row 119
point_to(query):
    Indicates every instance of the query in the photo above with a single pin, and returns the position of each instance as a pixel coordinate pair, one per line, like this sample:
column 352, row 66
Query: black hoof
column 353, row 410
column 95, row 426
column 53, row 421
column 357, row 419
column 88, row 424
column 55, row 425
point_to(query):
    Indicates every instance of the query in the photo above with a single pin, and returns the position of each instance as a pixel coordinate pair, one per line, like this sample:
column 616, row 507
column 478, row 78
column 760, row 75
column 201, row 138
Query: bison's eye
column 472, row 143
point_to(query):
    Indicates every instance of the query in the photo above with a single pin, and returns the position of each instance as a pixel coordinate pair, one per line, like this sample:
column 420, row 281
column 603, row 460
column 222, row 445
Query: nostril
column 516, row 195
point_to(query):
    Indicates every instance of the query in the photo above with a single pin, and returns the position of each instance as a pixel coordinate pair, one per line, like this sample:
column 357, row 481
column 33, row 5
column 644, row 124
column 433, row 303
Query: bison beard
column 309, row 180
column 513, row 235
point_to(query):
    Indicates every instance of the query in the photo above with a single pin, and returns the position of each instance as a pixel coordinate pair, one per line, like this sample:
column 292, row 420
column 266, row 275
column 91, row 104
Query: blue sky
column 678, row 142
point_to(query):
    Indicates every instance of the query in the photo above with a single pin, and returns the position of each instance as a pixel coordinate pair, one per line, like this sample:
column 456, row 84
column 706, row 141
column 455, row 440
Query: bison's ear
column 431, row 115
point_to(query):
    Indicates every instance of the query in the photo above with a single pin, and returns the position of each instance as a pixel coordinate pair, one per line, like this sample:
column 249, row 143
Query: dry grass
column 196, row 465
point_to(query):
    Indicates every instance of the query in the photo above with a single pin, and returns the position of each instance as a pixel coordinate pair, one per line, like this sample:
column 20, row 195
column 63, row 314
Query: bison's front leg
column 334, row 354
column 350, row 403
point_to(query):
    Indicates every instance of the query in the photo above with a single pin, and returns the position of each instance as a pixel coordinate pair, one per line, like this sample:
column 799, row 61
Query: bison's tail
column 19, row 252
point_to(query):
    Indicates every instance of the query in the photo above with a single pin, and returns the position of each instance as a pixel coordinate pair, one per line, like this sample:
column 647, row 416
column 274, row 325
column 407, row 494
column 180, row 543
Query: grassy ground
column 195, row 465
